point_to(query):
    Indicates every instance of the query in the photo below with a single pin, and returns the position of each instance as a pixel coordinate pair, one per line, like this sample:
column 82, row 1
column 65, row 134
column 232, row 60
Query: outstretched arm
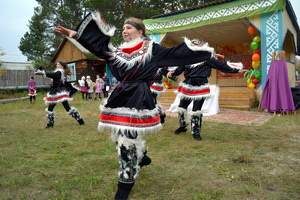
column 64, row 31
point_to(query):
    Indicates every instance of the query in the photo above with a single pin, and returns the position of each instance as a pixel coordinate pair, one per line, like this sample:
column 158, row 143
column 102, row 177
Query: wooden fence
column 20, row 78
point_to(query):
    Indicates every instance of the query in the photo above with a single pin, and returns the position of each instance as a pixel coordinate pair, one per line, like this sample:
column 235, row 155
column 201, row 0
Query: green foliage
column 40, row 42
column 2, row 53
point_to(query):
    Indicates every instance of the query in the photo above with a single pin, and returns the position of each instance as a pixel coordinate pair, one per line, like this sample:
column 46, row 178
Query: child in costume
column 61, row 91
column 131, row 111
column 195, row 88
column 31, row 85
column 90, row 87
column 98, row 89
column 83, row 87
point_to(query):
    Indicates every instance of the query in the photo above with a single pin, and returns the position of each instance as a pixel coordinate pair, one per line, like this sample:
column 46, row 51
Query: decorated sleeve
column 186, row 53
column 54, row 75
column 94, row 34
column 226, row 67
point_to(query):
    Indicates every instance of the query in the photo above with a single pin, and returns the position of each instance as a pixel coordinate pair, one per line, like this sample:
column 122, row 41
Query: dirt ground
column 236, row 117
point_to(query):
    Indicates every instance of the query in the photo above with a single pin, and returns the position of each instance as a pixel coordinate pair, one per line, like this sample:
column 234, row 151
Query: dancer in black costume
column 131, row 111
column 61, row 91
column 195, row 88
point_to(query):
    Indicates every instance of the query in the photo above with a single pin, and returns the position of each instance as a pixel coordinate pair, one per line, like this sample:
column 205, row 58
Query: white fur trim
column 106, row 29
column 204, row 47
column 131, row 62
column 140, row 131
column 73, row 109
column 158, row 91
column 56, row 96
column 235, row 65
column 193, row 88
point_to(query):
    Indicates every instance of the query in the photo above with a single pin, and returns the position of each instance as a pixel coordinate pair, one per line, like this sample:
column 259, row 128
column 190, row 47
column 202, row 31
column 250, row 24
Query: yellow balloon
column 249, row 80
column 256, row 64
column 256, row 39
column 251, row 85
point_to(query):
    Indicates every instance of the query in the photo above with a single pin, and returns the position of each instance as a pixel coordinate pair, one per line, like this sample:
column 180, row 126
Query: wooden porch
column 240, row 98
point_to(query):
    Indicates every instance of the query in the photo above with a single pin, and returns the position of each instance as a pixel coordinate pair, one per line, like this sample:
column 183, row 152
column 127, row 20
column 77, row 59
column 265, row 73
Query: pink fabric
column 98, row 87
column 83, row 89
column 277, row 94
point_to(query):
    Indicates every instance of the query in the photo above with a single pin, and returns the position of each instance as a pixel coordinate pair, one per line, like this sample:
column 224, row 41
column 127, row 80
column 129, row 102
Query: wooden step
column 240, row 98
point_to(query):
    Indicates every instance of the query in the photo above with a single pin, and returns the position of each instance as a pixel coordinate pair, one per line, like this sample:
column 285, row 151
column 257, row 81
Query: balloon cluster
column 255, row 60
column 253, row 78
column 167, row 82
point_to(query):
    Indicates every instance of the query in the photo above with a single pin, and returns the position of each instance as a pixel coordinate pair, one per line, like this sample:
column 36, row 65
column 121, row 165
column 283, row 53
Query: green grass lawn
column 232, row 162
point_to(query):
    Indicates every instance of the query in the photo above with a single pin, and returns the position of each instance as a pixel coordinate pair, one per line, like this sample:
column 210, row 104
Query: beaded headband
column 135, row 25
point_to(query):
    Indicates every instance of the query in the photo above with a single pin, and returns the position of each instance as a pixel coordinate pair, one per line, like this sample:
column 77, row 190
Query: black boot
column 50, row 117
column 162, row 118
column 182, row 115
column 123, row 191
column 146, row 160
column 180, row 130
column 196, row 123
column 73, row 112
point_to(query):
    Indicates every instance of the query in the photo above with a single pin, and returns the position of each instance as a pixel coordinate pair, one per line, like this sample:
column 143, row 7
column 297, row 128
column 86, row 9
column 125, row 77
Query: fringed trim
column 199, row 46
column 187, row 91
column 197, row 65
column 139, row 56
column 40, row 72
column 159, row 106
column 73, row 109
column 119, row 128
column 129, row 111
column 50, row 113
column 58, row 97
column 106, row 29
column 234, row 65
column 122, row 119
column 196, row 113
column 157, row 88
column 185, row 113
column 103, row 27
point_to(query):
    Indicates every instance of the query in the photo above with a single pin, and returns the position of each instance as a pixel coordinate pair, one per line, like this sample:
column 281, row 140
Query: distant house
column 77, row 57
column 16, row 65
column 16, row 75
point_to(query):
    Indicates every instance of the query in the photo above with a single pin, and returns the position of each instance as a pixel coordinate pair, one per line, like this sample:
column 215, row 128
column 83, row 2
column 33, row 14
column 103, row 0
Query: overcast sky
column 14, row 20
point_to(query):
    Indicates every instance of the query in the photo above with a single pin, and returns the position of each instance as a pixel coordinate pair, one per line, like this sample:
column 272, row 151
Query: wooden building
column 80, row 61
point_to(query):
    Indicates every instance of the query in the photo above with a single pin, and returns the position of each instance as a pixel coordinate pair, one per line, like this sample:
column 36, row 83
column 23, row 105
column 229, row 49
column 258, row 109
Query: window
column 72, row 76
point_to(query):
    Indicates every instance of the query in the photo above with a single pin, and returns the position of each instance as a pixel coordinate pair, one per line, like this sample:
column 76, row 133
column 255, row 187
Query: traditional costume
column 195, row 88
column 31, row 85
column 83, row 87
column 131, row 111
column 60, row 91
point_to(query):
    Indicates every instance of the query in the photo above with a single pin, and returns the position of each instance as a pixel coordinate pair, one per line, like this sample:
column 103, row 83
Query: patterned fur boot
column 196, row 123
column 75, row 114
column 182, row 117
column 50, row 117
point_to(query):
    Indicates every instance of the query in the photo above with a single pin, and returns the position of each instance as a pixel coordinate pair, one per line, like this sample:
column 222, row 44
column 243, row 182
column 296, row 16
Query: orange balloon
column 251, row 30
column 255, row 57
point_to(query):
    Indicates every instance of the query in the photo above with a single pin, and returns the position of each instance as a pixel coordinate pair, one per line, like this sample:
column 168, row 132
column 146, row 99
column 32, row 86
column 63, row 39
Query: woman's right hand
column 169, row 74
column 64, row 31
